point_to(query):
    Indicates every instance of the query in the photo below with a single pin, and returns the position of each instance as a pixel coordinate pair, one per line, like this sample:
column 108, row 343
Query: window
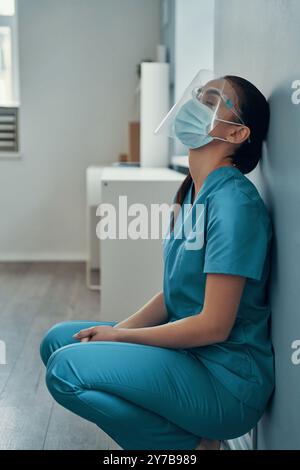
column 7, row 7
column 8, row 53
column 9, row 86
column 6, row 85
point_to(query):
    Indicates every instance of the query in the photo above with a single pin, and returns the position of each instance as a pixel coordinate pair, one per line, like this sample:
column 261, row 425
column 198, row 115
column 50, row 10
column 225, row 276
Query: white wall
column 194, row 46
column 259, row 40
column 78, row 75
column 194, row 40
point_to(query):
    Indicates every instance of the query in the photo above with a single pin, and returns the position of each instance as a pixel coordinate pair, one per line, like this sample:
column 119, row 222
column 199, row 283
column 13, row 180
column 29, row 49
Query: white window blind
column 9, row 130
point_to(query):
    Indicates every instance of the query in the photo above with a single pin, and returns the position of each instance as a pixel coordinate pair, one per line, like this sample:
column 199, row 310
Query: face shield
column 206, row 103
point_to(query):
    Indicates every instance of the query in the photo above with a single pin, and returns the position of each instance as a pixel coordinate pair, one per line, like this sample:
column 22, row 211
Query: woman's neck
column 202, row 162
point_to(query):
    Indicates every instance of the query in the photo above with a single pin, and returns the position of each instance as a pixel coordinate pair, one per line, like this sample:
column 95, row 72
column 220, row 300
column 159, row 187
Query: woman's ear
column 238, row 134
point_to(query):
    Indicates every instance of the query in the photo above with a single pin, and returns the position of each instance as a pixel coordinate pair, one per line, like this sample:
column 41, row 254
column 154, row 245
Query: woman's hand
column 97, row 333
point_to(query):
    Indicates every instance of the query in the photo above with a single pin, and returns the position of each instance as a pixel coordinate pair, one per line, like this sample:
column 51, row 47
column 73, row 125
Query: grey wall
column 259, row 40
column 78, row 77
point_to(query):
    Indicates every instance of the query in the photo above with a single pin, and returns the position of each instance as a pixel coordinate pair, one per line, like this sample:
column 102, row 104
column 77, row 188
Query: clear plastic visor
column 216, row 97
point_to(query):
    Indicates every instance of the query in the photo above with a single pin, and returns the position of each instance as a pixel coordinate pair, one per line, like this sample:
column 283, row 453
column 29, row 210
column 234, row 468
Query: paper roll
column 154, row 149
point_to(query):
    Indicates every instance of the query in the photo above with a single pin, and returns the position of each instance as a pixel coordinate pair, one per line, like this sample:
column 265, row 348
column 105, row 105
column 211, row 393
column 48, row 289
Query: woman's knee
column 52, row 340
column 60, row 376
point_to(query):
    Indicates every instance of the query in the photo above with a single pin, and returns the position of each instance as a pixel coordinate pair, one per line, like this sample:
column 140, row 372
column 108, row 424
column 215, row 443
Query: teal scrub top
column 237, row 233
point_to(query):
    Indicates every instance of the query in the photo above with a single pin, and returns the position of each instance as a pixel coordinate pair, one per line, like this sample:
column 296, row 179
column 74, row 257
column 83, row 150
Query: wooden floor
column 33, row 297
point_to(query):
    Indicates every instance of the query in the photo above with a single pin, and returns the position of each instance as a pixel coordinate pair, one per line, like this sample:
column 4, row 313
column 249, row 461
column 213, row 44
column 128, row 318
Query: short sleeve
column 236, row 236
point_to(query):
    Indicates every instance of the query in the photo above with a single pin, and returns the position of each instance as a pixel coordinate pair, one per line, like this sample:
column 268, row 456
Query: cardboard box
column 123, row 157
column 134, row 142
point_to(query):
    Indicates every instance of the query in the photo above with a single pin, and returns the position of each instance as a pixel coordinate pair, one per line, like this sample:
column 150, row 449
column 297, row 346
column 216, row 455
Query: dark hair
column 256, row 115
column 255, row 112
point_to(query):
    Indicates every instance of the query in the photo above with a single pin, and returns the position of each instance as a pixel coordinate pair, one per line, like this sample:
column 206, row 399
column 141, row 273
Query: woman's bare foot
column 208, row 444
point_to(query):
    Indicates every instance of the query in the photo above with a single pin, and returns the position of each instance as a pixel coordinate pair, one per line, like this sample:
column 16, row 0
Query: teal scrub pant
column 143, row 397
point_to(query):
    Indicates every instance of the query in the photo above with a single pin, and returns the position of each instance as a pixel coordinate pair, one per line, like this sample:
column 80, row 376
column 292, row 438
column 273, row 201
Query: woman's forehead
column 222, row 85
column 216, row 83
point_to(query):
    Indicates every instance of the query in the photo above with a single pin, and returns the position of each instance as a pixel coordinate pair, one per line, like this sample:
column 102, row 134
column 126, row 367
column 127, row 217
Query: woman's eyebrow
column 212, row 91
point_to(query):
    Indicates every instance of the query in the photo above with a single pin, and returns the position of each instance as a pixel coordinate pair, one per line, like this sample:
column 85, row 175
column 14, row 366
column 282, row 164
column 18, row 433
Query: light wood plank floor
column 33, row 297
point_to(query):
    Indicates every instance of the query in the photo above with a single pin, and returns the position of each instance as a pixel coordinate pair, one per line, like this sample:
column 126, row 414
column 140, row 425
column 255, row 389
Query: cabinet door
column 132, row 270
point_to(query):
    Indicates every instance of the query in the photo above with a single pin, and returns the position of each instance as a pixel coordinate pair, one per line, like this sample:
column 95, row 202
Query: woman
column 194, row 366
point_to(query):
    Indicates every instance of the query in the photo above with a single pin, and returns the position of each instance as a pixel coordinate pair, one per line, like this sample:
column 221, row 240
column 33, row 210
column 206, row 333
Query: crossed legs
column 144, row 397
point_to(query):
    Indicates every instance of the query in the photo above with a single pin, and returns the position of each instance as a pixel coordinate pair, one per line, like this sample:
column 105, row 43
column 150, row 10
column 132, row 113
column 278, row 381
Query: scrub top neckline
column 214, row 174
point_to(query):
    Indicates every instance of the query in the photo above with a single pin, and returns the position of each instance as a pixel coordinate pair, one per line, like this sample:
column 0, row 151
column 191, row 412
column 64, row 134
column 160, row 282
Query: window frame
column 11, row 21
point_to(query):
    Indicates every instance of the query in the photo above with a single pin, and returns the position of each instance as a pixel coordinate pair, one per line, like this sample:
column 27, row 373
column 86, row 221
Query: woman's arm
column 222, row 297
column 153, row 313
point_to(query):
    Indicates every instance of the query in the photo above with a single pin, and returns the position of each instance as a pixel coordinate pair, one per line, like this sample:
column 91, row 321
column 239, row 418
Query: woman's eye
column 209, row 104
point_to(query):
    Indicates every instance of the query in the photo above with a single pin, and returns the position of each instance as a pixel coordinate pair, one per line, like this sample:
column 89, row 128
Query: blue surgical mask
column 192, row 124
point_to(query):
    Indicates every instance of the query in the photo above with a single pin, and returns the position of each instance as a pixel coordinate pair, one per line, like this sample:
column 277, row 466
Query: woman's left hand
column 97, row 333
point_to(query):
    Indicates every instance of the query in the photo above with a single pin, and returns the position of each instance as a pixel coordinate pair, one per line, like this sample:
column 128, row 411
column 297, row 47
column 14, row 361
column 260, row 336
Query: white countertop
column 97, row 174
column 140, row 174
column 181, row 160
